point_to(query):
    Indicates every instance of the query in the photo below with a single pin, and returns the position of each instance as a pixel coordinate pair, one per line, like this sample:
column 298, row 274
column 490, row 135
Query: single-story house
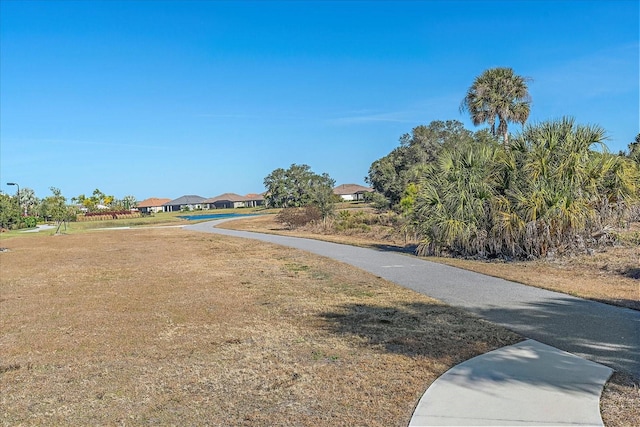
column 254, row 200
column 233, row 201
column 226, row 201
column 152, row 205
column 352, row 192
column 188, row 202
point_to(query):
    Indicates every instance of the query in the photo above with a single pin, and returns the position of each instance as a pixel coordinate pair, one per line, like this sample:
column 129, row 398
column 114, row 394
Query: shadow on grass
column 434, row 331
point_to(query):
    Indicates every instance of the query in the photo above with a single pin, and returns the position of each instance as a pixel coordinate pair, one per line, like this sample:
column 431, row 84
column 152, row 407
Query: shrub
column 298, row 217
column 29, row 221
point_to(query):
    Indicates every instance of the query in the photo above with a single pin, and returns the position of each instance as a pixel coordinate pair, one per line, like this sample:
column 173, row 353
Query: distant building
column 152, row 205
column 233, row 201
column 352, row 192
column 226, row 201
column 255, row 200
column 188, row 202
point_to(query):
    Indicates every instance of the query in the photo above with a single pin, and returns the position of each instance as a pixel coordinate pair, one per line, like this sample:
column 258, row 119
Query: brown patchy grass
column 169, row 327
column 607, row 276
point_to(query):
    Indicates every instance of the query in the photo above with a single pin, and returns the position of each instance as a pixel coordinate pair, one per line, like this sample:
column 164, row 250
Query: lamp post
column 19, row 207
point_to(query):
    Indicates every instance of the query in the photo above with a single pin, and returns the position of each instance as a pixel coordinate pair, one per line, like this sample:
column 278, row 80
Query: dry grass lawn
column 170, row 327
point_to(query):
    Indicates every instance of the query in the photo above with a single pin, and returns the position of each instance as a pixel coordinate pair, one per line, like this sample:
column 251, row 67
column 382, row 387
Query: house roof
column 346, row 189
column 254, row 196
column 226, row 197
column 152, row 202
column 185, row 200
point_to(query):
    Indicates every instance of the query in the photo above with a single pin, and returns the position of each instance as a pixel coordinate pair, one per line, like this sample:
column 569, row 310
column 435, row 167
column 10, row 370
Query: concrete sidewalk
column 542, row 382
column 526, row 384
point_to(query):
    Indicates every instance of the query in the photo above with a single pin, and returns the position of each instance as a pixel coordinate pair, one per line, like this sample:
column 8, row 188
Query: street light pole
column 19, row 206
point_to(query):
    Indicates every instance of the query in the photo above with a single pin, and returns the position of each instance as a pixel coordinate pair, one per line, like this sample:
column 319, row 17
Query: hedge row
column 109, row 215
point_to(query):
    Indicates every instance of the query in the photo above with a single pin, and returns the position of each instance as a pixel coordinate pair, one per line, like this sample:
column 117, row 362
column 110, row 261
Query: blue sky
column 165, row 98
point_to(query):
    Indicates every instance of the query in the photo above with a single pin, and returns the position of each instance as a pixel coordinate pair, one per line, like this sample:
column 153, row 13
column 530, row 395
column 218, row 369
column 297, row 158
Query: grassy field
column 165, row 326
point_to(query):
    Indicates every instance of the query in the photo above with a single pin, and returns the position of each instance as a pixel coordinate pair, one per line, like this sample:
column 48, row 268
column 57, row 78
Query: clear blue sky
column 166, row 98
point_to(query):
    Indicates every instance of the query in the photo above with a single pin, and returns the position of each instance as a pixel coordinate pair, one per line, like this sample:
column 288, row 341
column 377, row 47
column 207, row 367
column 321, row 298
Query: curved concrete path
column 594, row 331
column 528, row 383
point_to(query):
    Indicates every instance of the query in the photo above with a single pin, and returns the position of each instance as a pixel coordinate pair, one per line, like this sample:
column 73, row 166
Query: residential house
column 254, row 200
column 188, row 202
column 152, row 205
column 234, row 201
column 352, row 192
column 226, row 201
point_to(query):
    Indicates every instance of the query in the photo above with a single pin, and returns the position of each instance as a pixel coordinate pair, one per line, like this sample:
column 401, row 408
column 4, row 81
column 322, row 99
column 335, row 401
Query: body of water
column 212, row 216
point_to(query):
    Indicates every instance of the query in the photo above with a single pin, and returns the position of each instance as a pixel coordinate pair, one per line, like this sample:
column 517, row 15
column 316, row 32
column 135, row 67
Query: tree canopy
column 299, row 186
column 498, row 93
column 391, row 174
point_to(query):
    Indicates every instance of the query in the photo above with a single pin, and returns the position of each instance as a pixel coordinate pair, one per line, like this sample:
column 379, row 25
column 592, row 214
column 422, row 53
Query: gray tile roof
column 186, row 200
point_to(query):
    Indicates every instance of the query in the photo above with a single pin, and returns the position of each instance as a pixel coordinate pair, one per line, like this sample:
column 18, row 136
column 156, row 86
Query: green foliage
column 452, row 206
column 127, row 202
column 347, row 220
column 550, row 191
column 55, row 208
column 299, row 186
column 9, row 212
column 407, row 203
column 391, row 174
column 498, row 93
column 634, row 150
column 377, row 201
column 28, row 201
column 97, row 199
column 29, row 221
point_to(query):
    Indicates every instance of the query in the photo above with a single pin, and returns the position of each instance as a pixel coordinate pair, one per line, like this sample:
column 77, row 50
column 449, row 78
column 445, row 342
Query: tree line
column 24, row 209
column 551, row 188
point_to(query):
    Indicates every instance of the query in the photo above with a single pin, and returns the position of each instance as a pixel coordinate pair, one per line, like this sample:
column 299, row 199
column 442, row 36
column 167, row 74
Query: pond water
column 213, row 216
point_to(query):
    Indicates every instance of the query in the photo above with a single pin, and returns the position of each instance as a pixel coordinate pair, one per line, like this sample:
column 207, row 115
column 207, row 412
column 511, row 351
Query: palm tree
column 498, row 92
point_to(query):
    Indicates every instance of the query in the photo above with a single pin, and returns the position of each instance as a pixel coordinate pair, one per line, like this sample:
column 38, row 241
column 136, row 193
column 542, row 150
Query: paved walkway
column 526, row 384
column 40, row 228
column 598, row 332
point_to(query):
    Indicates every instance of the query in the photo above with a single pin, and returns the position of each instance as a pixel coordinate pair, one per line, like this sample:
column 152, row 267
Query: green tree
column 86, row 202
column 28, row 201
column 299, row 186
column 54, row 207
column 321, row 192
column 634, row 150
column 129, row 202
column 498, row 93
column 391, row 174
column 9, row 212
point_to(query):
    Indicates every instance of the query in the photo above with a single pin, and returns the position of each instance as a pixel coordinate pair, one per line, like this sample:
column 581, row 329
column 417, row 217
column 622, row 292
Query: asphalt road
column 599, row 332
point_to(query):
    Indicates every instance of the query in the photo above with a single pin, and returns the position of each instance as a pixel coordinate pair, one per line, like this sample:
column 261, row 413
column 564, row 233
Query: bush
column 298, row 217
column 29, row 221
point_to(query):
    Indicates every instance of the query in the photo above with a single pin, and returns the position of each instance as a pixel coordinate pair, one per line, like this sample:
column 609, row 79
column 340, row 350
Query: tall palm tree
column 498, row 92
